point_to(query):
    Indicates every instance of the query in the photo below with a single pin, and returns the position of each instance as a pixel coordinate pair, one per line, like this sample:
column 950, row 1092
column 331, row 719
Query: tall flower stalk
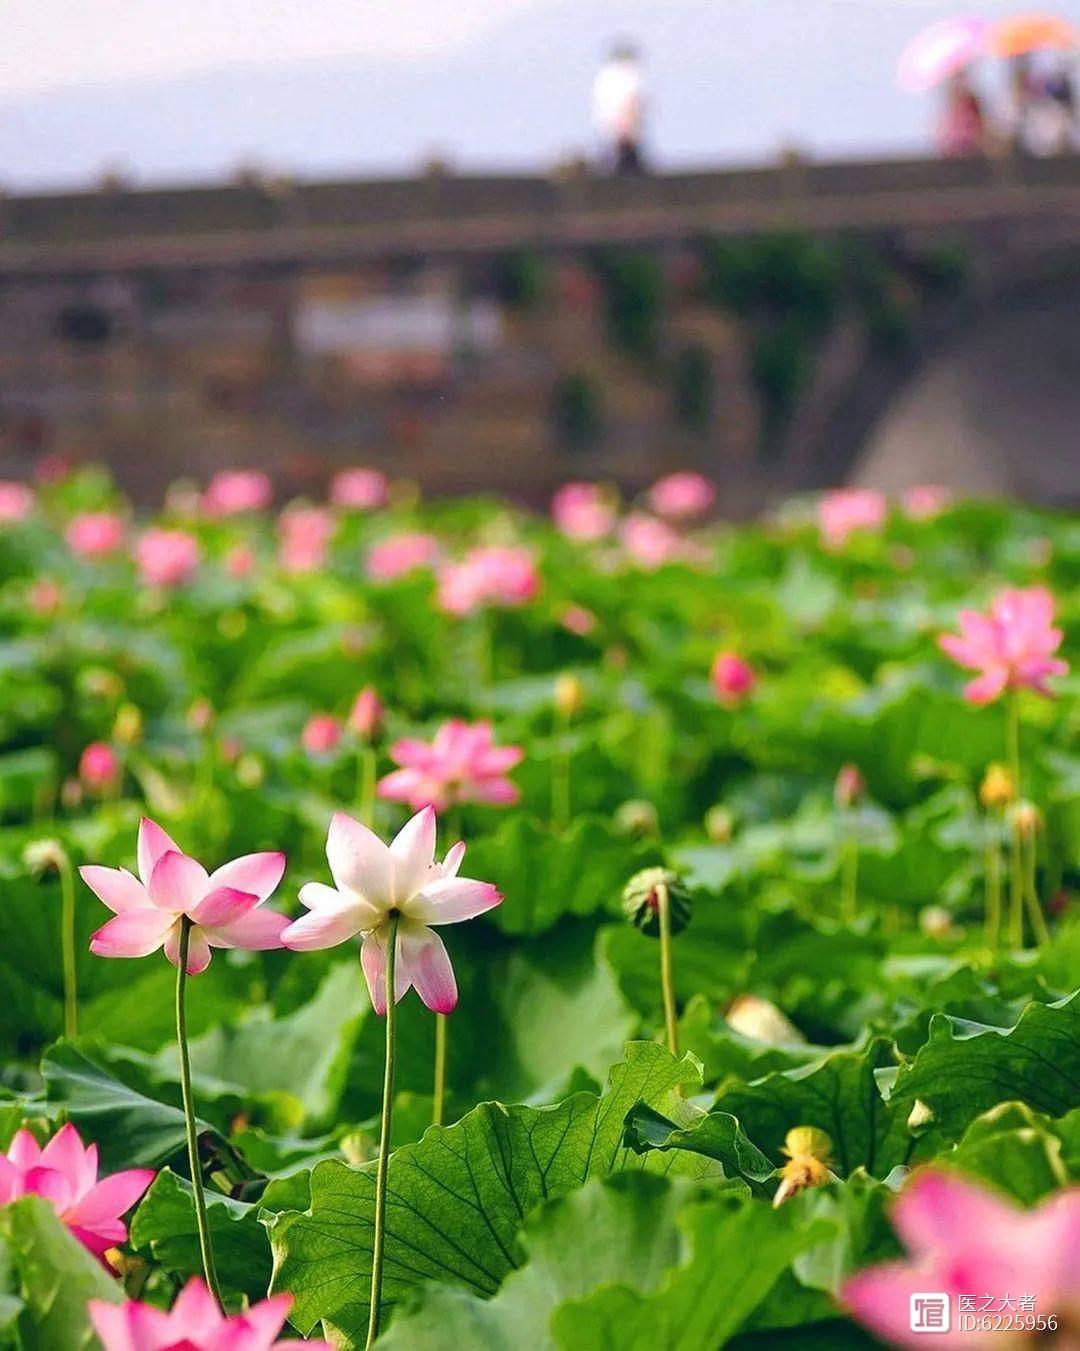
column 1012, row 647
column 175, row 904
column 996, row 792
column 40, row 857
column 67, row 939
column 568, row 701
column 657, row 902
column 392, row 895
column 383, row 1163
column 847, row 791
column 667, row 975
column 1027, row 823
column 206, row 1245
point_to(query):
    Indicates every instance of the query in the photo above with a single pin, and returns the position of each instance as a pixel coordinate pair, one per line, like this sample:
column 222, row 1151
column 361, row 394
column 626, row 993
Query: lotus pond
column 745, row 1018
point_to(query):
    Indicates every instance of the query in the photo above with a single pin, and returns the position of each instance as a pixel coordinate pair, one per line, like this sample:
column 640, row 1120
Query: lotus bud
column 997, row 788
column 71, row 793
column 569, row 695
column 250, row 771
column 762, row 1020
column 641, row 900
column 636, row 819
column 366, row 717
column 849, row 788
column 42, row 856
column 719, row 824
column 99, row 769
column 1027, row 819
column 229, row 749
column 321, row 734
column 200, row 716
column 733, row 678
column 935, row 921
column 127, row 728
column 101, row 683
column 809, row 1163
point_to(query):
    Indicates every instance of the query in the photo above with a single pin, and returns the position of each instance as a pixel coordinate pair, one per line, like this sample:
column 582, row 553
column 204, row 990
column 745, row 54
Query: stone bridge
column 302, row 324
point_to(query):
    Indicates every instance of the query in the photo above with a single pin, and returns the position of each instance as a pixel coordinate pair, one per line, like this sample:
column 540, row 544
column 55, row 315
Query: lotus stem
column 439, row 1095
column 1031, row 893
column 1016, row 889
column 67, row 943
column 849, row 875
column 560, row 773
column 206, row 1247
column 993, row 880
column 379, row 1238
column 667, row 979
column 1016, row 864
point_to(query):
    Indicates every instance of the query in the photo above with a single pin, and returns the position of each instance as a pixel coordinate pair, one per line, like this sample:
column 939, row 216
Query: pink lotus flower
column 577, row 620
column 367, row 714
column 849, row 509
column 167, row 557
column 733, row 678
column 401, row 554
column 371, row 880
column 46, row 596
column 16, row 501
column 925, row 501
column 66, row 1175
column 682, row 496
column 649, row 541
column 359, row 489
column 584, row 511
column 849, row 786
column 195, row 1324
column 95, row 534
column 462, row 764
column 504, row 576
column 321, row 734
column 99, row 768
column 224, row 906
column 236, row 490
column 305, row 535
column 966, row 1240
column 240, row 561
column 1011, row 646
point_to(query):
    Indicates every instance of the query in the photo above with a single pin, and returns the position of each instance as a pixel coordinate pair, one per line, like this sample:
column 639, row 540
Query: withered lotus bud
column 809, row 1163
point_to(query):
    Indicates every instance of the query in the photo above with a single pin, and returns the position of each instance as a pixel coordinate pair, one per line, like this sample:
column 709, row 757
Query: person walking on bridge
column 619, row 107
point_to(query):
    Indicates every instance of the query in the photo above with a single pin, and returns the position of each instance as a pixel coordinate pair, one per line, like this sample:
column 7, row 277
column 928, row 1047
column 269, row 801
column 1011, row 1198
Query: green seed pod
column 641, row 900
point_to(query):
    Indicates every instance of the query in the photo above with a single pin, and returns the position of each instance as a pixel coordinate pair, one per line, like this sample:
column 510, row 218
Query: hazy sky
column 181, row 89
column 52, row 43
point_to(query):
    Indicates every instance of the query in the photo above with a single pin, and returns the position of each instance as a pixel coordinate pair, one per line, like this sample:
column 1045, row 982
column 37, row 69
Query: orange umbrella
column 1034, row 32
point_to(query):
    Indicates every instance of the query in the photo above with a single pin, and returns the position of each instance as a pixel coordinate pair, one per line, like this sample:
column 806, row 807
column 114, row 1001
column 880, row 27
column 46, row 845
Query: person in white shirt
column 619, row 106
